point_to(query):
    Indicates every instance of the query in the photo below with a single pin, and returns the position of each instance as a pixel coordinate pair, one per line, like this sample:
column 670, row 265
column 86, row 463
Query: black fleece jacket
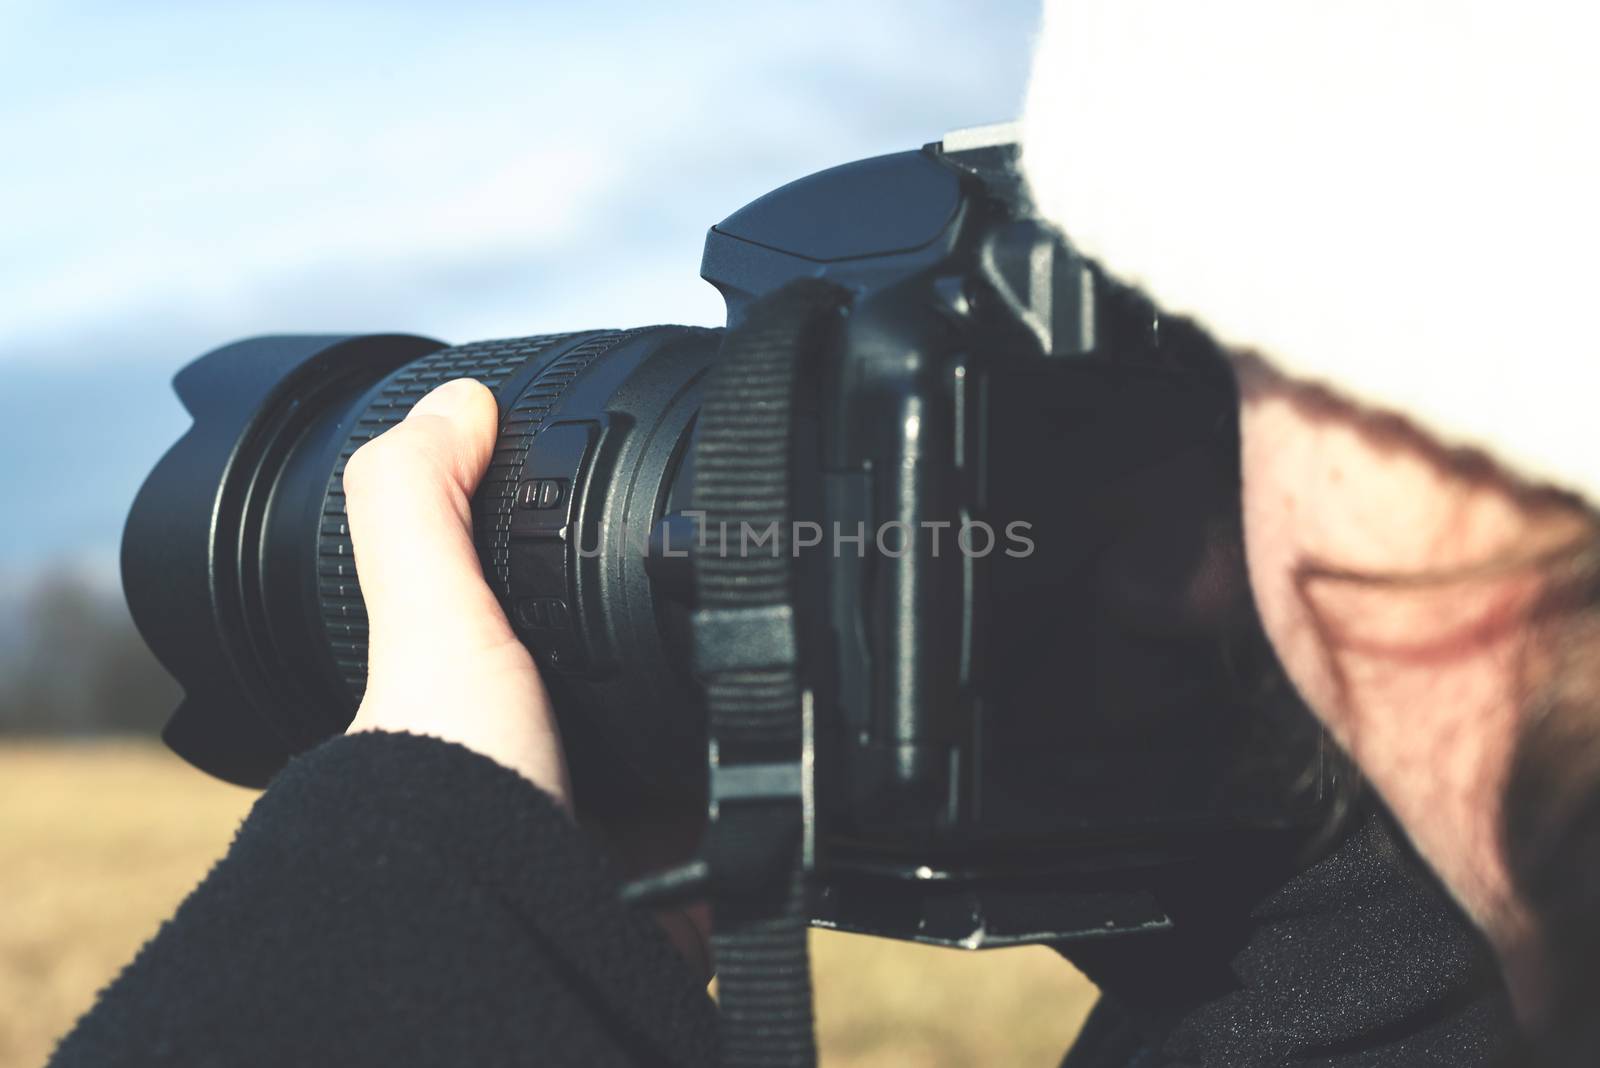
column 1360, row 961
column 395, row 900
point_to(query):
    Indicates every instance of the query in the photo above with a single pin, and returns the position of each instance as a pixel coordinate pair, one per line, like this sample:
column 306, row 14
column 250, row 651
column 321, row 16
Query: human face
column 1397, row 579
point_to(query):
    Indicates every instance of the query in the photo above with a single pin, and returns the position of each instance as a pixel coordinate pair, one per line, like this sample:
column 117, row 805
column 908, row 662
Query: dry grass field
column 99, row 842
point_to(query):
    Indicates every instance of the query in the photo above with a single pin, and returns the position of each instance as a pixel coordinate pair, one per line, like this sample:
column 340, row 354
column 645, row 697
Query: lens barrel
column 239, row 568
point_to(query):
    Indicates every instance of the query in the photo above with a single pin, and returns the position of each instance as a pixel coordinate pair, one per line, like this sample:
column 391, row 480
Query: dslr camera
column 922, row 577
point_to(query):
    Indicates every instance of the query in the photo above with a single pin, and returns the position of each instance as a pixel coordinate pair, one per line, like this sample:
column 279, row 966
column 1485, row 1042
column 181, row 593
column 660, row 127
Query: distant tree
column 81, row 667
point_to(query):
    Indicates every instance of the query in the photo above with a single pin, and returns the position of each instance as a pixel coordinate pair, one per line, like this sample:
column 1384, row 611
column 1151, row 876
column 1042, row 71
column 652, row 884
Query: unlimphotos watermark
column 894, row 539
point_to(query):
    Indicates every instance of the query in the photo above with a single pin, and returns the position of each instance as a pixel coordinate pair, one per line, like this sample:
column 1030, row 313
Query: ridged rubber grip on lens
column 497, row 493
column 344, row 614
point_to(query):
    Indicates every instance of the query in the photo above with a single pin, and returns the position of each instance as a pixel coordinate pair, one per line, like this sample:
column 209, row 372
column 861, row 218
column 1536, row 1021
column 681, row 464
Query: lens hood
column 189, row 562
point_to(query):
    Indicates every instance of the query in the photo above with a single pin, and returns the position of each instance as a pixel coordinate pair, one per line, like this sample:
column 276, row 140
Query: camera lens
column 269, row 637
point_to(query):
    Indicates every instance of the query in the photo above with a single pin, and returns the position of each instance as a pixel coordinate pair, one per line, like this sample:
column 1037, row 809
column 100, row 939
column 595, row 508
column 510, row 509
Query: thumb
column 441, row 658
column 408, row 495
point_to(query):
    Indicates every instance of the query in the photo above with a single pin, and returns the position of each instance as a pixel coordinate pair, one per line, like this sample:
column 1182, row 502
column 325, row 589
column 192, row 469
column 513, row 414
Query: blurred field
column 99, row 842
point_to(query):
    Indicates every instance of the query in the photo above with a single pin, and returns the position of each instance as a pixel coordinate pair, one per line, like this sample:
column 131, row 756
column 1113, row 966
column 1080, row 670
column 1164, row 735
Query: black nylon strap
column 746, row 658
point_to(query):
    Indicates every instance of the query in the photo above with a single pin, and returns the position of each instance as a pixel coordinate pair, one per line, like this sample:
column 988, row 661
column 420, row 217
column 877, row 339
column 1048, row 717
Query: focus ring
column 344, row 613
column 497, row 493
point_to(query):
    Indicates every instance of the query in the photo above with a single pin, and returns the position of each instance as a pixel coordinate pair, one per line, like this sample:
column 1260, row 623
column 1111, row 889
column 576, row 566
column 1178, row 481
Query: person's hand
column 442, row 658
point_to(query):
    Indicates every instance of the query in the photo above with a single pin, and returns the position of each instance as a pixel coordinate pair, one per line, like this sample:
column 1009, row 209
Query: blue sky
column 179, row 175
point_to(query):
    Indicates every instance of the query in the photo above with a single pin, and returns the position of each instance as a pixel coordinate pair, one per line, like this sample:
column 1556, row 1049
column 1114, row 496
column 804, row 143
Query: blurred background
column 176, row 176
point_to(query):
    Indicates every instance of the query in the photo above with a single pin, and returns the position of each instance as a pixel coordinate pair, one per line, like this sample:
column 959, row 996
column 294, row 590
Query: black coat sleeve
column 398, row 900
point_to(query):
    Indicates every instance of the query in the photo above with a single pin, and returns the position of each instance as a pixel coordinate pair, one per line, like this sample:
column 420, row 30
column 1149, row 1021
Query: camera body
column 1022, row 632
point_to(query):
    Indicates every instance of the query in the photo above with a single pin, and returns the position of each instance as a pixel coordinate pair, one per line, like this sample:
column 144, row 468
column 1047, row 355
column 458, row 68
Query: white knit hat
column 1397, row 198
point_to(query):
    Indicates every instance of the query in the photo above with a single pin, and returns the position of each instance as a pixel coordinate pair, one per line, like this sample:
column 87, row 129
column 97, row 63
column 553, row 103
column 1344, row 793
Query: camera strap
column 757, row 851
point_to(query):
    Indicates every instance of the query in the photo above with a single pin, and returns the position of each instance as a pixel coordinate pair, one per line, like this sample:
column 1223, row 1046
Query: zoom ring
column 344, row 613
